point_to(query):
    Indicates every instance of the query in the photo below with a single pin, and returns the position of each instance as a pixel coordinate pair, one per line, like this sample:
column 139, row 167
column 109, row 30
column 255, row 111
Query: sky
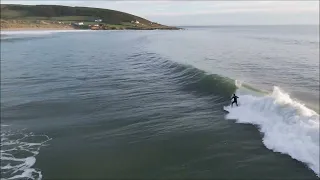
column 173, row 12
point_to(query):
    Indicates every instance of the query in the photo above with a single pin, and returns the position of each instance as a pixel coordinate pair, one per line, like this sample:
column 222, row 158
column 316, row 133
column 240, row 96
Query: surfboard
column 226, row 108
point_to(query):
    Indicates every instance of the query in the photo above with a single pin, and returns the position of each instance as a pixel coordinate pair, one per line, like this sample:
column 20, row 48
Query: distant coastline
column 55, row 25
column 38, row 17
column 34, row 29
column 19, row 26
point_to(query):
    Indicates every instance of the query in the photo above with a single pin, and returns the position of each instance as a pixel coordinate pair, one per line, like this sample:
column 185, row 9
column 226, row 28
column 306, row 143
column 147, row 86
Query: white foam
column 238, row 83
column 38, row 32
column 288, row 126
column 11, row 35
column 18, row 168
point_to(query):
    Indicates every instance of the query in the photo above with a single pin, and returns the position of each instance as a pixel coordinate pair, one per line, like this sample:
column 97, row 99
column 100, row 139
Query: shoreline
column 21, row 25
column 29, row 29
column 76, row 29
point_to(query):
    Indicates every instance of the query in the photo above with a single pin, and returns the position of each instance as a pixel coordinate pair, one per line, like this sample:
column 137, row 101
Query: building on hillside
column 136, row 22
column 98, row 27
column 78, row 24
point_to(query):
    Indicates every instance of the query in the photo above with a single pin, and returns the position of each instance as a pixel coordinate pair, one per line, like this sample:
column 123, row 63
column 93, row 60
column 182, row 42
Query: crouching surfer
column 235, row 100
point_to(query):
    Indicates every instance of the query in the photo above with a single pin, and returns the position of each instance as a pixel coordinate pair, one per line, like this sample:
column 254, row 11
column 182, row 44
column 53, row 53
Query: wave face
column 18, row 154
column 200, row 82
column 187, row 77
column 288, row 126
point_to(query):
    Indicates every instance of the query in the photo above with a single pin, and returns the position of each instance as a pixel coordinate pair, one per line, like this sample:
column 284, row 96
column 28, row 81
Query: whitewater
column 288, row 126
column 20, row 166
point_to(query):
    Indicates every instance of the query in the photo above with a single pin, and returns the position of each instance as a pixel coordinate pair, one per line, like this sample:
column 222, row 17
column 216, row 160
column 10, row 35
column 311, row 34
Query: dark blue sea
column 156, row 104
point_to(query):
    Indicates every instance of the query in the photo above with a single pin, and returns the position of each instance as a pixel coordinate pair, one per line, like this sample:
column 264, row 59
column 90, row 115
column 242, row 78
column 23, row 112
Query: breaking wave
column 288, row 126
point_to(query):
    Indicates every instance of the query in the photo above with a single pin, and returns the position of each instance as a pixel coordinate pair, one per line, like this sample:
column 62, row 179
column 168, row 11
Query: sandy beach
column 36, row 29
column 21, row 25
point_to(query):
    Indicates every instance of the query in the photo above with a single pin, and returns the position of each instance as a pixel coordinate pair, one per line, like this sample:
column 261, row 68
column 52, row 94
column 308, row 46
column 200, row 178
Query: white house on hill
column 137, row 22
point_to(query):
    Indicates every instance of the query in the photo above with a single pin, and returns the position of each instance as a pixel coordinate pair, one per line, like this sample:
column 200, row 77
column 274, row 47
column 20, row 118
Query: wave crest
column 288, row 126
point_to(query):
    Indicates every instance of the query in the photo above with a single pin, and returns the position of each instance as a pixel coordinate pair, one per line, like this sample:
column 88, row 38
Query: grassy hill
column 51, row 14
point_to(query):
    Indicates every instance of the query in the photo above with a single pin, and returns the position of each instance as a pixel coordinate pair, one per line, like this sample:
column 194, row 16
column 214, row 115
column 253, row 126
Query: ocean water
column 155, row 104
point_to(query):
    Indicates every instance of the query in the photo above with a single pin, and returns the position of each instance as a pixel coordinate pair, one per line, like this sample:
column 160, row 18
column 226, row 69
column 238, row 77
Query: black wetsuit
column 234, row 97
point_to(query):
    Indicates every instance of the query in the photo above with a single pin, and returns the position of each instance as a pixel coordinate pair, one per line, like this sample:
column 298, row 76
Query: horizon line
column 250, row 25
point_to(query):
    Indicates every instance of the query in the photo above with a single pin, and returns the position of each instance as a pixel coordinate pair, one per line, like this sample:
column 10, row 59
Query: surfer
column 234, row 97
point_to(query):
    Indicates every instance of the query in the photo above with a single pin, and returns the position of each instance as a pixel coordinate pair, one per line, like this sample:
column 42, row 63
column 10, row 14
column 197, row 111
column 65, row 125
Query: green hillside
column 66, row 14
